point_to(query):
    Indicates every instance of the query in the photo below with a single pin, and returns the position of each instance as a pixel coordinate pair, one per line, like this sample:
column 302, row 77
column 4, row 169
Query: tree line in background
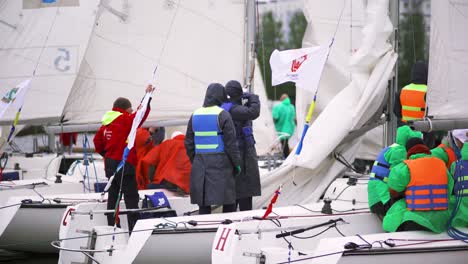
column 271, row 37
column 413, row 46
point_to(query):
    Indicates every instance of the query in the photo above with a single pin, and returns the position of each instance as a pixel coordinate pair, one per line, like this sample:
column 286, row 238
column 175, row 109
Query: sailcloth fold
column 302, row 66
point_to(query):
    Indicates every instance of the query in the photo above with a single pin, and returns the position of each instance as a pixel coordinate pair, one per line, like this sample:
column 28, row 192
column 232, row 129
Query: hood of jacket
column 286, row 101
column 419, row 73
column 215, row 95
column 404, row 133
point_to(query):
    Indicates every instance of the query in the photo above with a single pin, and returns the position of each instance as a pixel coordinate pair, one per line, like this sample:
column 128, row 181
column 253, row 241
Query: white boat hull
column 244, row 242
column 32, row 228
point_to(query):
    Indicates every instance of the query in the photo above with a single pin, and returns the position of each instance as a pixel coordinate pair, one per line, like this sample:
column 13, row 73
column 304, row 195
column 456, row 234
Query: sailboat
column 147, row 242
column 147, row 34
column 36, row 46
column 244, row 238
column 310, row 241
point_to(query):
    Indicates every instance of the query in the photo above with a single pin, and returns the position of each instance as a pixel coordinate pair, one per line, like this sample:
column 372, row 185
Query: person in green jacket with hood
column 459, row 171
column 389, row 157
column 421, row 176
column 284, row 116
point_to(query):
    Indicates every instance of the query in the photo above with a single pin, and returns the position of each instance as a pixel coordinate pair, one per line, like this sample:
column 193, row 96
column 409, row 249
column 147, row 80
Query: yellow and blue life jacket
column 208, row 136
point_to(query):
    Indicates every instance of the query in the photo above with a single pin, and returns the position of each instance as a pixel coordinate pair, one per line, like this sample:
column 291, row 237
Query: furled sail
column 343, row 110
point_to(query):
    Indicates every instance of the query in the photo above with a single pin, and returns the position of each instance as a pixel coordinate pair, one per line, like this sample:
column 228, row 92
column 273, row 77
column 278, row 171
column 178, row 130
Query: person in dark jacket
column 248, row 182
column 419, row 82
column 211, row 146
column 410, row 102
column 110, row 142
column 157, row 134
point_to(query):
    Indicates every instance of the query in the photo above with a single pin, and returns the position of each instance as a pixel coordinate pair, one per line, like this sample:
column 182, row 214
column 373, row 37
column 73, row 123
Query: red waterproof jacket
column 111, row 139
column 171, row 162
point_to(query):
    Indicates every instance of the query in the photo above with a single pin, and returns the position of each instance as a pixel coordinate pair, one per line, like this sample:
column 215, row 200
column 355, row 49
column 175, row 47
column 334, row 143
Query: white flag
column 302, row 66
column 15, row 96
column 137, row 120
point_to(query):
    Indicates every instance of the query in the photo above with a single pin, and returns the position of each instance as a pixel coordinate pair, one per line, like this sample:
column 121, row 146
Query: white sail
column 192, row 43
column 448, row 60
column 343, row 109
column 54, row 39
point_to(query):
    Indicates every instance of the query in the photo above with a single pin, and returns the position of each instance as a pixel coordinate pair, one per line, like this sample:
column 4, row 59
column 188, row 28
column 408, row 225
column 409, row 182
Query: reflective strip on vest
column 380, row 168
column 461, row 178
column 427, row 189
column 413, row 103
column 208, row 138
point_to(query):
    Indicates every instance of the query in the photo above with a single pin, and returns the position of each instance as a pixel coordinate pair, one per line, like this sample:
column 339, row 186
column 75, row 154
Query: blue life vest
column 208, row 136
column 380, row 168
column 460, row 178
column 227, row 106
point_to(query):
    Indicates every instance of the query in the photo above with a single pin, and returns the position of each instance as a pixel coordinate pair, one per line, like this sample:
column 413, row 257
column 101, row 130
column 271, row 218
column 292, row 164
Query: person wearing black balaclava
column 211, row 146
column 248, row 182
column 410, row 103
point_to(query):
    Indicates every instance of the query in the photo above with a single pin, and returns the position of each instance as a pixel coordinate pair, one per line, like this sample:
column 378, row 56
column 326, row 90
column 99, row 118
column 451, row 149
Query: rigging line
column 46, row 40
column 263, row 49
column 314, row 235
column 339, row 231
column 79, row 237
column 313, row 257
column 168, row 33
column 277, row 222
column 456, row 7
column 213, row 21
column 338, row 24
column 305, row 208
column 10, row 205
column 137, row 51
column 412, row 33
column 342, row 191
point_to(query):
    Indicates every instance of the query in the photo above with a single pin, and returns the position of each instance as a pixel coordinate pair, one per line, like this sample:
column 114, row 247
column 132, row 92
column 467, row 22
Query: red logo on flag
column 296, row 64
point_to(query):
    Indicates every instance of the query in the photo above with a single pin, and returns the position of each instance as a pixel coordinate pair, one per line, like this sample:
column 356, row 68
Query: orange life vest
column 413, row 102
column 450, row 154
column 427, row 189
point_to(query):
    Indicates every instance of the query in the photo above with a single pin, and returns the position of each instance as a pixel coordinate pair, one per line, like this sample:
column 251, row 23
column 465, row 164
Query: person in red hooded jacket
column 110, row 141
column 143, row 144
column 171, row 163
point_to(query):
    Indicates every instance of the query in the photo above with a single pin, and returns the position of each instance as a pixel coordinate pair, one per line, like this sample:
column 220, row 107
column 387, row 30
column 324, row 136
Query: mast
column 448, row 74
column 249, row 50
column 390, row 126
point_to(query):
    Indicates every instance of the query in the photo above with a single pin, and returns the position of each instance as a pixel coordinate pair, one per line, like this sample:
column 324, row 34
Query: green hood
column 109, row 117
column 286, row 101
column 404, row 133
column 284, row 117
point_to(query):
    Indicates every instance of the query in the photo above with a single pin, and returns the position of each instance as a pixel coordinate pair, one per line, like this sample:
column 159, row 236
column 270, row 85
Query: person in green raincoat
column 414, row 180
column 284, row 116
column 377, row 189
column 459, row 171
